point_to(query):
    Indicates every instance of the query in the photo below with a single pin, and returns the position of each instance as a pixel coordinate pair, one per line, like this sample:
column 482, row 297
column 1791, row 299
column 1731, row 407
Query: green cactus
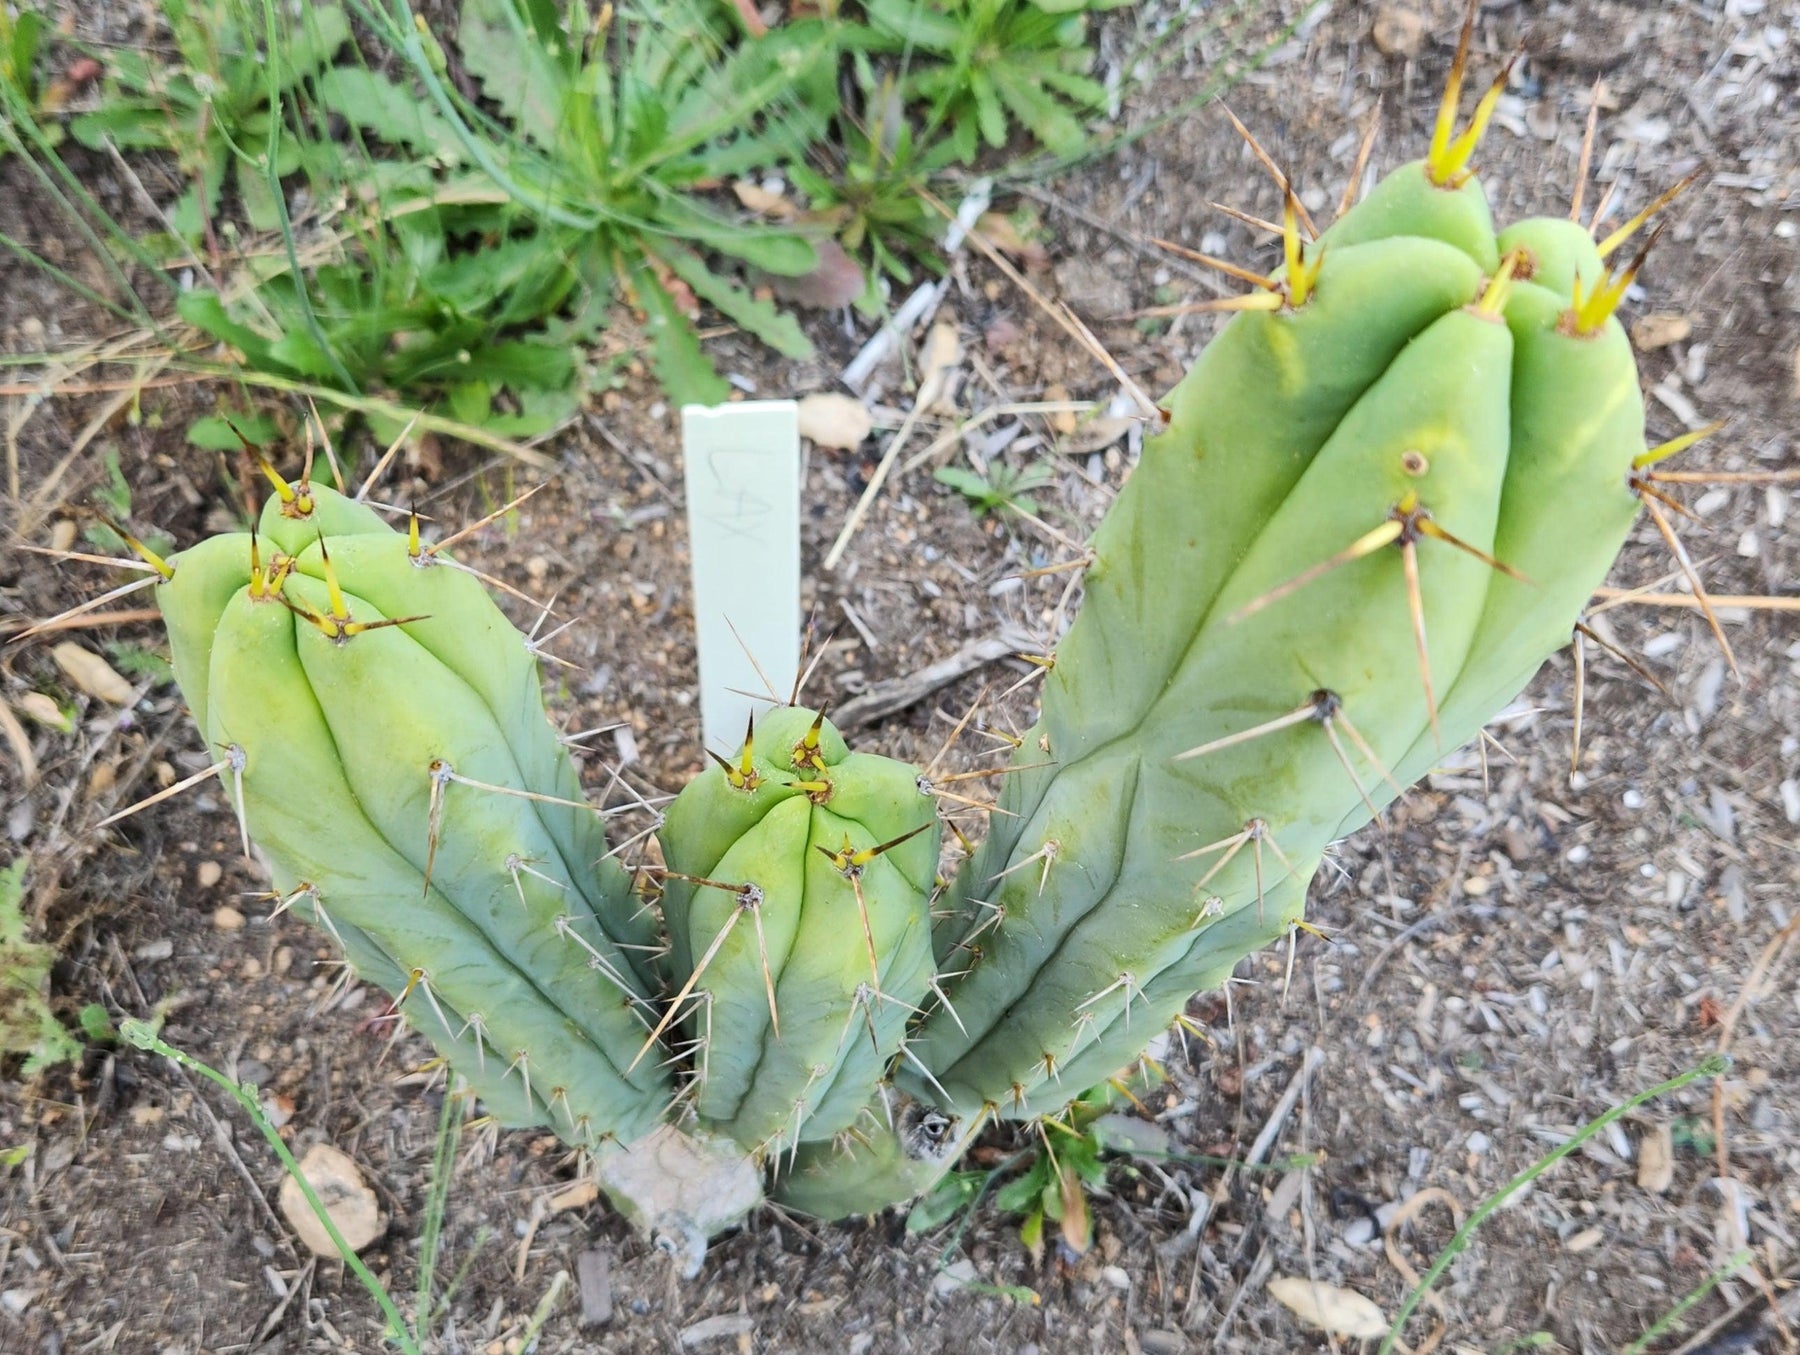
column 1383, row 497
column 833, row 855
column 1384, row 494
column 387, row 745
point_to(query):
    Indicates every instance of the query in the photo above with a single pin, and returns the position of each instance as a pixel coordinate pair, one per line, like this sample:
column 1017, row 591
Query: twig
column 925, row 298
column 1064, row 317
column 89, row 621
column 896, row 694
column 1747, row 600
column 1271, row 1130
column 879, row 478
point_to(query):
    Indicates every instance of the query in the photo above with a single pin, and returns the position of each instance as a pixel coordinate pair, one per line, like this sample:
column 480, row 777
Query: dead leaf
column 1075, row 1227
column 1002, row 231
column 755, row 198
column 835, row 282
column 21, row 746
column 831, row 419
column 1097, row 434
column 1659, row 329
column 41, row 709
column 92, row 674
column 1340, row 1312
column 577, row 1195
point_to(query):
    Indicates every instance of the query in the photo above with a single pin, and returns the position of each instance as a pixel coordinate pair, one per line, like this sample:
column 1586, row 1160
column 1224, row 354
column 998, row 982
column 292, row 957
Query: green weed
column 410, row 1337
column 27, row 1024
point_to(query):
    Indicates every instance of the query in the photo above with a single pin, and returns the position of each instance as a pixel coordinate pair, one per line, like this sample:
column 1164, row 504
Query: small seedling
column 1002, row 489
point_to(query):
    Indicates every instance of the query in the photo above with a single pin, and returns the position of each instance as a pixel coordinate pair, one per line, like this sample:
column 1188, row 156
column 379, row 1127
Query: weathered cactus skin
column 797, row 1025
column 522, row 959
column 1394, row 391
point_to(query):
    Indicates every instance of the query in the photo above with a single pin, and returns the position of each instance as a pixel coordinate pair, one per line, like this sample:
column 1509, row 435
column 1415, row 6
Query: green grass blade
column 1711, row 1067
column 143, row 1035
column 437, row 1198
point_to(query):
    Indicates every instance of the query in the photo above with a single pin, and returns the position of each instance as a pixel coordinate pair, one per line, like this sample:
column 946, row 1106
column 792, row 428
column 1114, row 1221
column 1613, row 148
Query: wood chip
column 1586, row 1240
column 938, row 359
column 1656, row 1160
column 1341, row 1312
column 92, row 674
column 576, row 1195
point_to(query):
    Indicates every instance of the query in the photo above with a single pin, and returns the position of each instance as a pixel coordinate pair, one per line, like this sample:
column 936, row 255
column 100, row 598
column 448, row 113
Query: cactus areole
column 1383, row 495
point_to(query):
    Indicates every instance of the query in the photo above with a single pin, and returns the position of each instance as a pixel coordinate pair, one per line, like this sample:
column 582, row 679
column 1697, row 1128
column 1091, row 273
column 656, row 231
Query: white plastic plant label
column 741, row 464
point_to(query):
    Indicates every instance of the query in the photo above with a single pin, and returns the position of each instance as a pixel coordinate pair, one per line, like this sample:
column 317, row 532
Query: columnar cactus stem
column 832, row 855
column 399, row 773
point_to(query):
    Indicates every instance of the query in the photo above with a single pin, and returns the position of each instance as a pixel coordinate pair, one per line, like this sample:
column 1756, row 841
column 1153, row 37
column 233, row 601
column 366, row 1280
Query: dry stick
column 128, row 617
column 1771, row 956
column 949, row 438
column 1264, row 1141
column 1703, row 1341
column 75, row 360
column 33, row 511
column 879, row 478
column 896, row 694
column 14, row 388
column 1064, row 317
column 1688, row 600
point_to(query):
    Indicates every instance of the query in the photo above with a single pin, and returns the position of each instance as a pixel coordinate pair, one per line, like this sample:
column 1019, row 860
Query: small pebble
column 1398, row 31
column 209, row 874
column 1116, row 1277
column 338, row 1182
column 1585, row 1240
column 228, row 919
column 953, row 1277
